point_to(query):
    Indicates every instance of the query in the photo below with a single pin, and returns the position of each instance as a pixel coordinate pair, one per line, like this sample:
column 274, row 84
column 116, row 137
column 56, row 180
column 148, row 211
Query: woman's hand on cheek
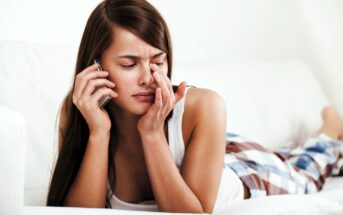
column 165, row 101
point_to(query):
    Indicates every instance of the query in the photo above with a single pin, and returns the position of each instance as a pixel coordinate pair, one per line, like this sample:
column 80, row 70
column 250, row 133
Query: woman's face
column 128, row 62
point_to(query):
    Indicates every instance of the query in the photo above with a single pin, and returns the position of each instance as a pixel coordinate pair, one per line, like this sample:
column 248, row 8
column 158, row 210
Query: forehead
column 126, row 43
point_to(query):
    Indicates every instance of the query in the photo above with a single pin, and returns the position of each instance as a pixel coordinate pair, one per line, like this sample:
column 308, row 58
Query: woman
column 153, row 146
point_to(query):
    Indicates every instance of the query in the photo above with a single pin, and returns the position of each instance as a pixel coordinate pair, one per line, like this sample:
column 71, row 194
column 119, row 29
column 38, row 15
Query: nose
column 146, row 79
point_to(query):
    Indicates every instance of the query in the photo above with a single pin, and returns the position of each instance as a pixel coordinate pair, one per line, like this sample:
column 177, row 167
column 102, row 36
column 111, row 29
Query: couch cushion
column 34, row 78
column 12, row 140
column 273, row 103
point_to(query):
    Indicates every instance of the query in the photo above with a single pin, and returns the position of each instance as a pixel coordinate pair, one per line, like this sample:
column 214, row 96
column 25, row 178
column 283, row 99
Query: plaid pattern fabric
column 299, row 170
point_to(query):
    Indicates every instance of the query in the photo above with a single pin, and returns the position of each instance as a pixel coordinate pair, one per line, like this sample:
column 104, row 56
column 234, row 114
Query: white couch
column 273, row 103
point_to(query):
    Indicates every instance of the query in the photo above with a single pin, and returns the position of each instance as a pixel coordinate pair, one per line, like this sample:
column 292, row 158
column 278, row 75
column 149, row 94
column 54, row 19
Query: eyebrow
column 135, row 57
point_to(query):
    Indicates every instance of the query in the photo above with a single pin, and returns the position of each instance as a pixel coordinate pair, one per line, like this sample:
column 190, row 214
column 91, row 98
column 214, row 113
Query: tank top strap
column 176, row 143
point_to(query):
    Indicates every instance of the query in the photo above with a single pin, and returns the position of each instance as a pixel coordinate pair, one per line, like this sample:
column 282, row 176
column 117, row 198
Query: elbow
column 207, row 208
column 196, row 210
column 84, row 199
column 187, row 208
column 80, row 203
column 83, row 205
column 193, row 211
column 209, row 211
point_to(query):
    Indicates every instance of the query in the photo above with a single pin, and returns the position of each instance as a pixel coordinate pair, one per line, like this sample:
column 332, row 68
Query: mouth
column 145, row 96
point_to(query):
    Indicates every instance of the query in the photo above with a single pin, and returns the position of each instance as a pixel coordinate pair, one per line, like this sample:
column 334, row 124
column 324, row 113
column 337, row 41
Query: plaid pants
column 300, row 170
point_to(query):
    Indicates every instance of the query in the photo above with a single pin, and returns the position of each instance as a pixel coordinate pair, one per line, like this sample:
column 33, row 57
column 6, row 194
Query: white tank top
column 231, row 187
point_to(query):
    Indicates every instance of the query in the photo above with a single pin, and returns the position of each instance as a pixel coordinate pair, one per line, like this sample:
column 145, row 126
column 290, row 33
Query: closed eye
column 129, row 65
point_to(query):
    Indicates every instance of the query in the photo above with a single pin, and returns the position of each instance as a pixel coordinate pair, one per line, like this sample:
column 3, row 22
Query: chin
column 142, row 109
column 139, row 108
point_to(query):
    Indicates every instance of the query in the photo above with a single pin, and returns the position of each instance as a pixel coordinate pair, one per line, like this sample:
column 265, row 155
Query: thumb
column 180, row 92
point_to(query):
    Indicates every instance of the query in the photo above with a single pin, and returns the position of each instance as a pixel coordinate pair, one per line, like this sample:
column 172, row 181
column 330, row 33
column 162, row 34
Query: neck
column 126, row 124
column 129, row 139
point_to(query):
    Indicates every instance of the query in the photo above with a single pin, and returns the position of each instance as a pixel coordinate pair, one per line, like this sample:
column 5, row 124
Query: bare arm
column 193, row 189
column 89, row 186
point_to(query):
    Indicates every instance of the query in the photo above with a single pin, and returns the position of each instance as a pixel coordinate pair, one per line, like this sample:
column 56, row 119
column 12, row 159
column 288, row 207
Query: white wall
column 44, row 21
column 310, row 31
column 324, row 24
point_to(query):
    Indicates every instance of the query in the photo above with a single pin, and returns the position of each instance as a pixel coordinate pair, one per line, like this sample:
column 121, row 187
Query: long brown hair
column 136, row 16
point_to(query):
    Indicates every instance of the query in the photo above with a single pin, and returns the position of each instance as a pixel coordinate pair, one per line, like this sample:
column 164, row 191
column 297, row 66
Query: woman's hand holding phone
column 88, row 92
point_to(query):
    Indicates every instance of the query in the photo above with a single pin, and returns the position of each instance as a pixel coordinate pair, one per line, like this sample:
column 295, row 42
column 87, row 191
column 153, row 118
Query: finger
column 96, row 74
column 96, row 83
column 169, row 104
column 161, row 84
column 170, row 90
column 154, row 67
column 81, row 80
column 166, row 88
column 157, row 69
column 103, row 92
column 158, row 99
column 180, row 92
column 92, row 67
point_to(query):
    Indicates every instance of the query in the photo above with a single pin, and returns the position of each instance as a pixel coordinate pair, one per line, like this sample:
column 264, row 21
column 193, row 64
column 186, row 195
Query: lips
column 145, row 96
column 145, row 93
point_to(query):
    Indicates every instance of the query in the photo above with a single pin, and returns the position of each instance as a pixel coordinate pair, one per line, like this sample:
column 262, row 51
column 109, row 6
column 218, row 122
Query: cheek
column 123, row 83
column 165, row 68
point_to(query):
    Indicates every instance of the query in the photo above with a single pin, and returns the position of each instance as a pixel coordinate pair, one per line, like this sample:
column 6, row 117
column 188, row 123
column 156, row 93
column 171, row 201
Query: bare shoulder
column 205, row 112
column 204, row 108
column 201, row 100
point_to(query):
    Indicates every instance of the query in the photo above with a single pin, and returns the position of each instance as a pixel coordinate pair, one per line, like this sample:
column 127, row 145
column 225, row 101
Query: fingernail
column 154, row 86
column 153, row 65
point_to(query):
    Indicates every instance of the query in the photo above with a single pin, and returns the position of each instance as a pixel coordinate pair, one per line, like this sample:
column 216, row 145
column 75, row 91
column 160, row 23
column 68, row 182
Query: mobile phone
column 105, row 99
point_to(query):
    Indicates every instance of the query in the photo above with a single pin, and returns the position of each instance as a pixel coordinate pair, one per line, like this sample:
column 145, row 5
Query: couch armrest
column 12, row 139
